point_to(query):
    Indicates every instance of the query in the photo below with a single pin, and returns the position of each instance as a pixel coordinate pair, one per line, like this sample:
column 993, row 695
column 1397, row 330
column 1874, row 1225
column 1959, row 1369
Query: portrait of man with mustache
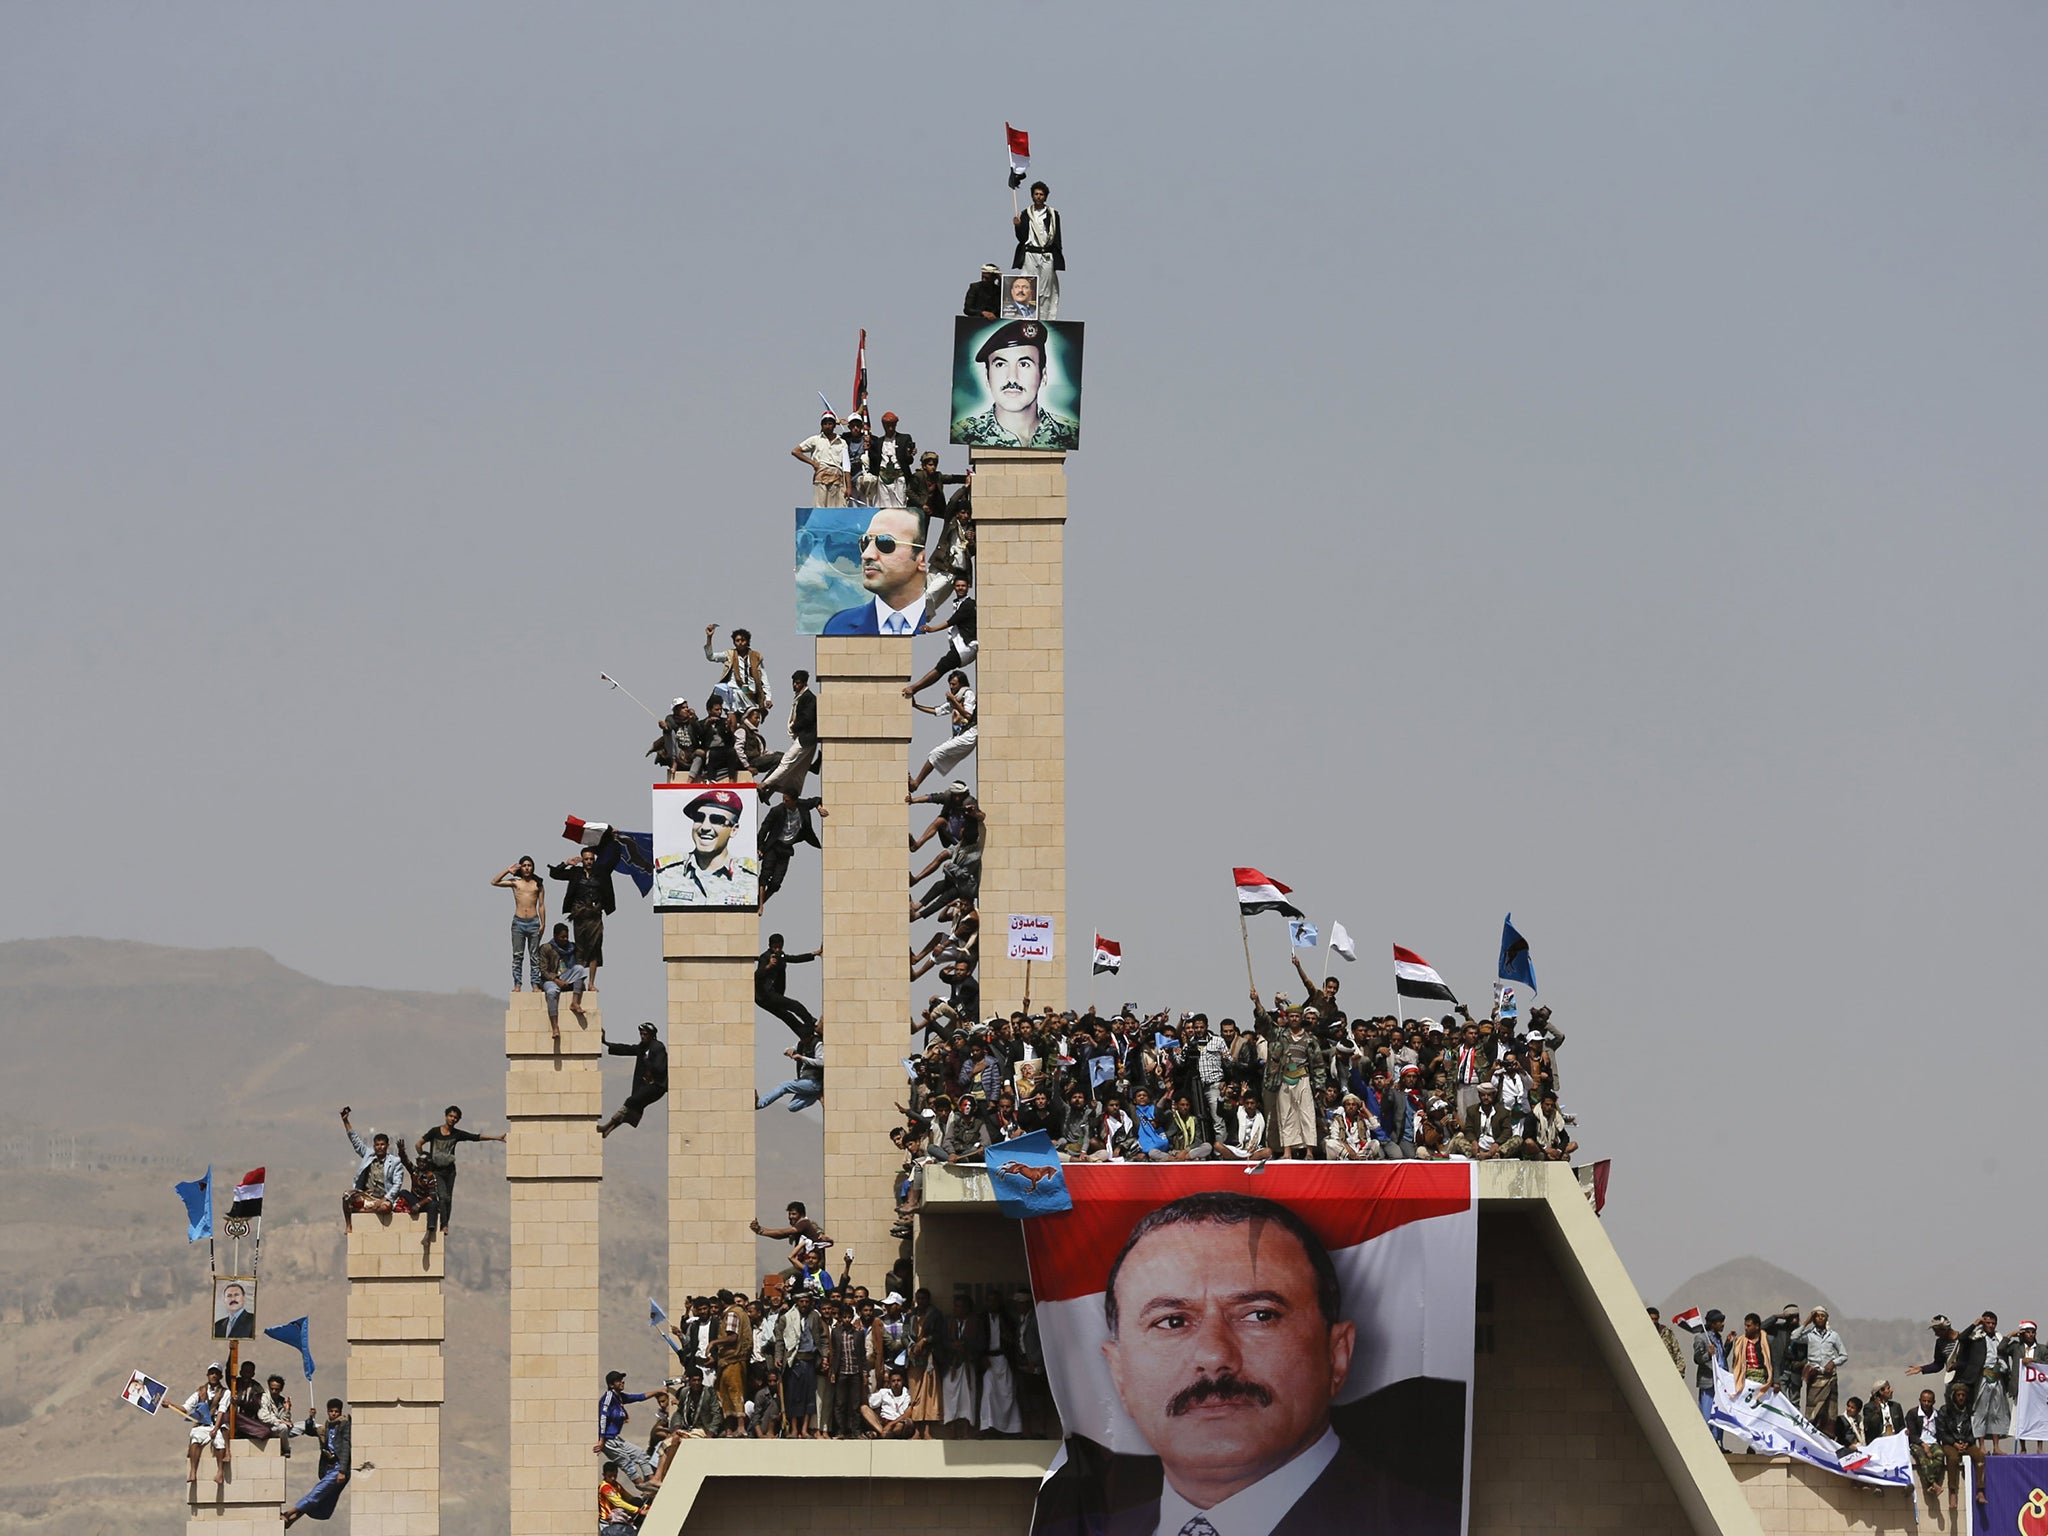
column 1012, row 362
column 1227, row 1343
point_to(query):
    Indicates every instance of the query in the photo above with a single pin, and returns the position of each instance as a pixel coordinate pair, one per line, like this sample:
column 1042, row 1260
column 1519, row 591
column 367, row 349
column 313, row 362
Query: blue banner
column 1026, row 1176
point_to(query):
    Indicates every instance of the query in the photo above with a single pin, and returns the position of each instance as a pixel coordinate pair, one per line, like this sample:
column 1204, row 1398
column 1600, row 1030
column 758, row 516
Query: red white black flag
column 1020, row 148
column 1416, row 977
column 248, row 1195
column 1262, row 893
column 1109, row 956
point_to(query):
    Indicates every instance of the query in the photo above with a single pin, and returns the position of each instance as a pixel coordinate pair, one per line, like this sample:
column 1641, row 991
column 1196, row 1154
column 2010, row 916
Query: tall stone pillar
column 864, row 731
column 246, row 1504
column 710, row 958
column 555, row 1166
column 1020, row 518
column 395, row 1377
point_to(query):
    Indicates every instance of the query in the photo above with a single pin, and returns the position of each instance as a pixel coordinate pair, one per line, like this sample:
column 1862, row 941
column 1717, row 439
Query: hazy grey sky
column 1582, row 459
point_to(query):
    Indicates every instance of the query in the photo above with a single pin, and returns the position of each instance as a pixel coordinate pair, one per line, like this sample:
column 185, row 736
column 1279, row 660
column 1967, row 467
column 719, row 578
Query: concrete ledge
column 700, row 1461
column 1791, row 1496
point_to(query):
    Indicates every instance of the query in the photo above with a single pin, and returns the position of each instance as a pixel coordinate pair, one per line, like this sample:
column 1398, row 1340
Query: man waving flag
column 1416, row 977
column 1262, row 893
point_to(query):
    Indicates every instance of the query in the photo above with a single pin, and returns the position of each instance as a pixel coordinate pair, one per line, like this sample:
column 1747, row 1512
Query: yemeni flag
column 1689, row 1320
column 1261, row 893
column 635, row 849
column 860, row 377
column 1416, row 977
column 587, row 833
column 1109, row 956
column 1020, row 151
column 1402, row 1237
column 248, row 1195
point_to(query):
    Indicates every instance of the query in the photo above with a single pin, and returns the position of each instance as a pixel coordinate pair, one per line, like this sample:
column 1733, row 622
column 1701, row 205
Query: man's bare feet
column 577, row 1009
column 517, row 989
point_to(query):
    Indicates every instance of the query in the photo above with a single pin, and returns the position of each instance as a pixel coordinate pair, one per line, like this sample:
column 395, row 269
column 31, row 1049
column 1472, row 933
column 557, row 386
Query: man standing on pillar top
column 826, row 455
column 589, row 899
column 1039, row 251
column 891, row 457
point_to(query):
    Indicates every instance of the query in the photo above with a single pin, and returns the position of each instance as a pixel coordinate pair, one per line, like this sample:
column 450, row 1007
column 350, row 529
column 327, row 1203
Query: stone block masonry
column 1020, row 516
column 554, row 1163
column 710, row 1104
column 864, row 732
column 396, row 1385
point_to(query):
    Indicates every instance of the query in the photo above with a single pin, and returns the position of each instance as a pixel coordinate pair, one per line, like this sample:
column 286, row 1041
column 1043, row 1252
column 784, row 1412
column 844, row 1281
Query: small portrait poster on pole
column 145, row 1392
column 1031, row 937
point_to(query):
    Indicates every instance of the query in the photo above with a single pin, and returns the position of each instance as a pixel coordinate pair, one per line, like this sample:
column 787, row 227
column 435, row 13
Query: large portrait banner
column 1017, row 383
column 1287, row 1352
column 706, row 848
column 859, row 571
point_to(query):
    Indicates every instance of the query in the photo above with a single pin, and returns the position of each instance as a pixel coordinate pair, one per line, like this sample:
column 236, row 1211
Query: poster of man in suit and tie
column 860, row 570
column 1295, row 1360
column 234, row 1307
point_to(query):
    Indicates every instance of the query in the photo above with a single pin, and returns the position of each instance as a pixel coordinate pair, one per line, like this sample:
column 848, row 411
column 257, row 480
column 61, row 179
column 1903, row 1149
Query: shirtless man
column 529, row 914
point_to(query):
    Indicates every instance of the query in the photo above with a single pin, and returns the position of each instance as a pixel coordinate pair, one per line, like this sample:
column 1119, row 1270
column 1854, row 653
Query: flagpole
column 1245, row 934
column 1326, row 949
column 1093, row 944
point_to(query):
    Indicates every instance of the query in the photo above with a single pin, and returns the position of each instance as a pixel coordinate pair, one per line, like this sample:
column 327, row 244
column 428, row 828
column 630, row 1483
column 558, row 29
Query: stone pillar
column 864, row 731
column 555, row 1166
column 246, row 1505
column 1020, row 516
column 710, row 1036
column 395, row 1331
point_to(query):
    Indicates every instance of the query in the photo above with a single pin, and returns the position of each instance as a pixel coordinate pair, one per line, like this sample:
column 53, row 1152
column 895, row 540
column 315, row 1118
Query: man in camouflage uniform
column 1012, row 363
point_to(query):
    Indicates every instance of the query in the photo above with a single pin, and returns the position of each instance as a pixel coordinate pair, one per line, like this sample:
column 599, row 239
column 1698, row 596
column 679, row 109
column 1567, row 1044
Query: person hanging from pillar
column 335, row 1442
column 771, row 990
column 650, row 1077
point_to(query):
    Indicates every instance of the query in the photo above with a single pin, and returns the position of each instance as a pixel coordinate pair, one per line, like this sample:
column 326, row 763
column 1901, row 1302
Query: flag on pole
column 248, row 1195
column 1514, row 956
column 1689, row 1320
column 1100, row 1070
column 1340, row 941
column 655, row 1316
column 635, row 850
column 1261, row 893
column 198, row 1198
column 1024, row 1175
column 1109, row 956
column 1416, row 977
column 297, row 1334
column 860, row 376
column 1302, row 934
column 1020, row 153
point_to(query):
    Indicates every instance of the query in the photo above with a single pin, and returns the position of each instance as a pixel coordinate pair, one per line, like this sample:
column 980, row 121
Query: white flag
column 1340, row 941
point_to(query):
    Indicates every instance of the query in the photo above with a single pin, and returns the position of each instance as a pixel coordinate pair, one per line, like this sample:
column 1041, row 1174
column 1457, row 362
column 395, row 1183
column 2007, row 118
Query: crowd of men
column 1965, row 1415
column 817, row 1357
column 1306, row 1081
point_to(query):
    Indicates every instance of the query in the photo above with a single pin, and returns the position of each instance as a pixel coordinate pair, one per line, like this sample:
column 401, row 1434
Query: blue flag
column 636, row 859
column 1026, row 1177
column 1302, row 933
column 198, row 1198
column 299, row 1335
column 1150, row 1137
column 1100, row 1070
column 1514, row 956
column 655, row 1316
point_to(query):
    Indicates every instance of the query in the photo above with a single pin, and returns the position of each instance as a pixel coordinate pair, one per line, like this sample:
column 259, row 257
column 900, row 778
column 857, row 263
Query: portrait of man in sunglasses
column 892, row 573
column 706, row 856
